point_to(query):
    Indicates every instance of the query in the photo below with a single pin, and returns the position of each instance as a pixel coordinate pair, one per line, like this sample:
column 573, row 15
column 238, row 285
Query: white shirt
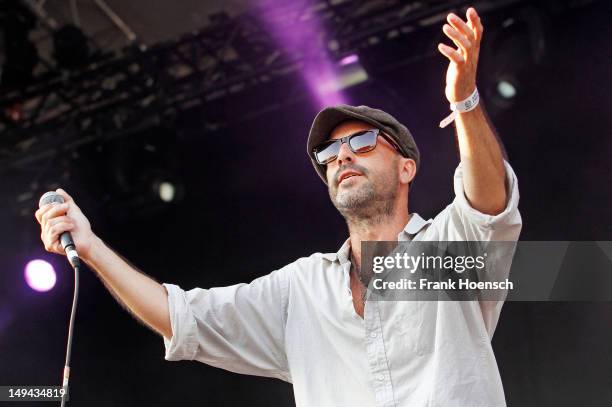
column 298, row 324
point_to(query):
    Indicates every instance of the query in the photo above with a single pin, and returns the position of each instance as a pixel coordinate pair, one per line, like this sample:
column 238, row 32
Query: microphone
column 68, row 245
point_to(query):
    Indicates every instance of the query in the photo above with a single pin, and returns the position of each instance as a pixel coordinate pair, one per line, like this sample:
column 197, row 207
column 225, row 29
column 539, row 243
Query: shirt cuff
column 183, row 345
column 506, row 217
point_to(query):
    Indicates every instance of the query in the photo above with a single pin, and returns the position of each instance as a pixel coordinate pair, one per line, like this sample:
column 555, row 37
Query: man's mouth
column 347, row 175
column 350, row 176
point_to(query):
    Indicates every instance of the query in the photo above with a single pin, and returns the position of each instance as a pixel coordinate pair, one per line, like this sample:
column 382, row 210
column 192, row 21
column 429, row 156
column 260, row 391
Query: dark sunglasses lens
column 363, row 142
column 327, row 152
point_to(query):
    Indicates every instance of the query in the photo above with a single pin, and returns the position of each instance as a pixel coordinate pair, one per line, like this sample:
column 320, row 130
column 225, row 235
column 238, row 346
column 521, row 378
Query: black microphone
column 68, row 245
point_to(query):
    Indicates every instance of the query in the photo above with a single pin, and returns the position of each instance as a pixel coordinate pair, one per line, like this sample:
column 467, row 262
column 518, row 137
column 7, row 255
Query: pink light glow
column 349, row 59
column 40, row 275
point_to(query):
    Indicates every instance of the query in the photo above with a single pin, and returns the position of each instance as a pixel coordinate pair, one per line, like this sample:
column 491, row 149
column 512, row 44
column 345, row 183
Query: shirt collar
column 414, row 226
column 416, row 223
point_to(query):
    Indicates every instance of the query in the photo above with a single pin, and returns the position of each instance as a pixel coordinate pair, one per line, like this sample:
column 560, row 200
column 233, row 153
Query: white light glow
column 40, row 275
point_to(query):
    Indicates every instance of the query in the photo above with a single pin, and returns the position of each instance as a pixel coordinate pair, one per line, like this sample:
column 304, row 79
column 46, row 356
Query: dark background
column 253, row 203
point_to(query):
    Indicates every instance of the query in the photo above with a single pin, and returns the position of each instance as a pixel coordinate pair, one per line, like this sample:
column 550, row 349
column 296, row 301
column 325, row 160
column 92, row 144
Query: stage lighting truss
column 138, row 88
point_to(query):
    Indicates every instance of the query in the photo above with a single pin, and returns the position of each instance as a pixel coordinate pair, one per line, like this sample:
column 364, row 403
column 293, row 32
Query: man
column 308, row 323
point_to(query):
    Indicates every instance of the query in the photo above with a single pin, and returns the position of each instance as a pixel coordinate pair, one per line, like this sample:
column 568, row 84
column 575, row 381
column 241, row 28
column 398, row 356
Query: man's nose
column 345, row 155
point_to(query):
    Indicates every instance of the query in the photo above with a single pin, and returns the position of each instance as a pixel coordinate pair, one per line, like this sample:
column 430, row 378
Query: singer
column 308, row 323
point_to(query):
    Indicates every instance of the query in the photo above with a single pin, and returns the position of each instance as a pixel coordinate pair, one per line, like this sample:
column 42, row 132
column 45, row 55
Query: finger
column 54, row 231
column 59, row 219
column 41, row 211
column 50, row 246
column 451, row 53
column 44, row 209
column 458, row 24
column 459, row 39
column 475, row 23
column 54, row 211
column 57, row 246
column 53, row 246
column 67, row 198
column 51, row 236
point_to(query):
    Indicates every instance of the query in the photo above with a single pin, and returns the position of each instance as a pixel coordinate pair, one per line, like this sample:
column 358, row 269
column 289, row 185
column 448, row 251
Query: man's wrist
column 463, row 106
column 94, row 249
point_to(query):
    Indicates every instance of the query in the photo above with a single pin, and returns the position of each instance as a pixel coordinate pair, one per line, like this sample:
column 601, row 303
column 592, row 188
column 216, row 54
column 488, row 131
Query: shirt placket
column 377, row 356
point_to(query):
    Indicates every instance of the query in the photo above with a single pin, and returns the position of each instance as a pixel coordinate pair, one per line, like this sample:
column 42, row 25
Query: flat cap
column 330, row 117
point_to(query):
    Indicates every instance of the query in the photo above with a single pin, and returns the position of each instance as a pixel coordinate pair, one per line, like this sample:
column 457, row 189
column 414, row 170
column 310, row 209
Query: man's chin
column 351, row 197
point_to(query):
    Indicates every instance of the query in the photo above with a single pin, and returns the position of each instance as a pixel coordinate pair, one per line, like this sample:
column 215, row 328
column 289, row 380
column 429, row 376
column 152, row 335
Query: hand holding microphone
column 64, row 228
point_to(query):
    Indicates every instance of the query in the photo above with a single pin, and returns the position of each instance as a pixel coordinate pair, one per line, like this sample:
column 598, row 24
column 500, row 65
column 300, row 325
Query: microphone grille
column 49, row 198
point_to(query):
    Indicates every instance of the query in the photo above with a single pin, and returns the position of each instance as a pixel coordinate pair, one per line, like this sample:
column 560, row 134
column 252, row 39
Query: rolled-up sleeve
column 460, row 221
column 183, row 344
column 239, row 328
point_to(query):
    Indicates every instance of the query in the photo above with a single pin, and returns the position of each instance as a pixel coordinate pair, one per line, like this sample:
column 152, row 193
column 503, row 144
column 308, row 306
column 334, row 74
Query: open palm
column 463, row 61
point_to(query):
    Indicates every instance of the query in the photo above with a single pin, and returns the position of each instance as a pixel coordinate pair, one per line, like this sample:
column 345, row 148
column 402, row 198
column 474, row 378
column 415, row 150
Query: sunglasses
column 359, row 143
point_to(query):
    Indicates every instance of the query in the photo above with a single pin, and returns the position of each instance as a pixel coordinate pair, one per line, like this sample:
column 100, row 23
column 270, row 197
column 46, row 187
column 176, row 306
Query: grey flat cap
column 330, row 117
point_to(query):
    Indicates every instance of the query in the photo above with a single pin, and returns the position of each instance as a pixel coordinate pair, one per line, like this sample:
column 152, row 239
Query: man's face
column 363, row 185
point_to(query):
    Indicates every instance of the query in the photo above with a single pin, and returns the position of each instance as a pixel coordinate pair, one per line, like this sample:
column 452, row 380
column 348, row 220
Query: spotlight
column 167, row 191
column 40, row 275
column 165, row 187
column 506, row 89
column 349, row 59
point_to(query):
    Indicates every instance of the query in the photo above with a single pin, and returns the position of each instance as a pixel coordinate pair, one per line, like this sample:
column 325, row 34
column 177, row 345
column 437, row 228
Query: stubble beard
column 370, row 202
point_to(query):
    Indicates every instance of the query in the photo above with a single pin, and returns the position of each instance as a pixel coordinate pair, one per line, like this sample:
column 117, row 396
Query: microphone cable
column 77, row 267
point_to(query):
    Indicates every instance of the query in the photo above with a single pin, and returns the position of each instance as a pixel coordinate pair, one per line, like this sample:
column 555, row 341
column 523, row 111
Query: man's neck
column 385, row 229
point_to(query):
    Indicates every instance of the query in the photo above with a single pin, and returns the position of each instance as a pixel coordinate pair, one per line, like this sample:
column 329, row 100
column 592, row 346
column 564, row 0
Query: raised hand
column 461, row 72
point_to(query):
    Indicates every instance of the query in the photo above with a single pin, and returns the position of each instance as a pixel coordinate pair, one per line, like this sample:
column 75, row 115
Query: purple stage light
column 300, row 36
column 346, row 74
column 40, row 275
column 349, row 59
column 322, row 81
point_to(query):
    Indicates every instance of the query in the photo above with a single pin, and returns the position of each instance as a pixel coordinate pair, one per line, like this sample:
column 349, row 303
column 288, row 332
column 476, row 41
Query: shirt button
column 373, row 335
column 381, row 377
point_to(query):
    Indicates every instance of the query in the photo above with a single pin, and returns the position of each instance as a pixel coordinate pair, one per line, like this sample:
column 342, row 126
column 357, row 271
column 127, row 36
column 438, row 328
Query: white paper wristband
column 464, row 106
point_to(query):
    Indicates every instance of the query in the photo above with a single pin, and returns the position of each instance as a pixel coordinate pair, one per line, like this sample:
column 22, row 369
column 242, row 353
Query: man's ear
column 408, row 170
